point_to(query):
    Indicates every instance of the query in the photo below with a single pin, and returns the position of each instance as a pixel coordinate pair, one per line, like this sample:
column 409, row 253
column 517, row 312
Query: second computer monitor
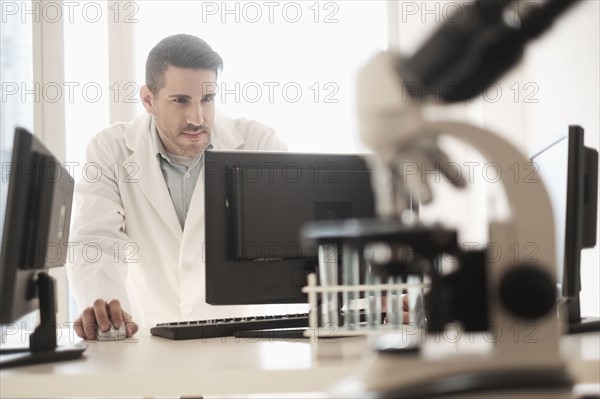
column 256, row 203
column 569, row 171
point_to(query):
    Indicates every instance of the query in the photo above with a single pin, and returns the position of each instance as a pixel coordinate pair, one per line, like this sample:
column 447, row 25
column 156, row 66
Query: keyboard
column 227, row 327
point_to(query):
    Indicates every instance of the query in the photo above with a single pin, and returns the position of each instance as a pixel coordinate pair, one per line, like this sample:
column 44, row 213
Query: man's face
column 184, row 109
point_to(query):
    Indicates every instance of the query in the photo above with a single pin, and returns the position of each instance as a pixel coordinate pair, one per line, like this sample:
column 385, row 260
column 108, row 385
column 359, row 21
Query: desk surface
column 152, row 367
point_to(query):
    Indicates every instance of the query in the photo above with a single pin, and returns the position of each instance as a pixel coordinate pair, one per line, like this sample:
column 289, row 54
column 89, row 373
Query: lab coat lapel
column 151, row 180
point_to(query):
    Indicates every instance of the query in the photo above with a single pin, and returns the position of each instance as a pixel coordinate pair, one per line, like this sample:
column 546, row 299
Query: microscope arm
column 475, row 47
column 399, row 130
column 398, row 95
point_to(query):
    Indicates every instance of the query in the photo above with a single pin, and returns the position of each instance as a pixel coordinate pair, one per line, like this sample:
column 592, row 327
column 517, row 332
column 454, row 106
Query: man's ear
column 147, row 98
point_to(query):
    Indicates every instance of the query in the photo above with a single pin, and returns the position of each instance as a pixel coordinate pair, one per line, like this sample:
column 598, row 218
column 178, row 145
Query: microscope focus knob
column 527, row 291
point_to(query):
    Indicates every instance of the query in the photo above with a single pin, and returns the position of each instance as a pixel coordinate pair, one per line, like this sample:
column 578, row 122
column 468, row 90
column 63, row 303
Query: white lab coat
column 126, row 240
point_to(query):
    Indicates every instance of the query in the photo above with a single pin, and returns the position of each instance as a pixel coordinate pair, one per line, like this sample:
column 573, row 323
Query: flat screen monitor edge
column 34, row 238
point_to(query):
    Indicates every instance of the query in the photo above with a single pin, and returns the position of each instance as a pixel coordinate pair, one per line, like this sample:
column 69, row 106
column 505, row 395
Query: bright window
column 86, row 76
column 17, row 91
column 18, row 94
column 290, row 64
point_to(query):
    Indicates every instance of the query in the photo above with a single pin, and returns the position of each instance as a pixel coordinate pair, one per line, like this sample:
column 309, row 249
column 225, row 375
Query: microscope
column 508, row 298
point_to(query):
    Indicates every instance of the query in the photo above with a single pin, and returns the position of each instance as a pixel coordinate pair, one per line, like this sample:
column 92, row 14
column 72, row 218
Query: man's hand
column 102, row 314
column 405, row 313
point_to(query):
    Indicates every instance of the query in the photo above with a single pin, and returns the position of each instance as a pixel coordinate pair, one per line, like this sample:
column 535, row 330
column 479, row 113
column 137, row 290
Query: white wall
column 565, row 64
column 556, row 84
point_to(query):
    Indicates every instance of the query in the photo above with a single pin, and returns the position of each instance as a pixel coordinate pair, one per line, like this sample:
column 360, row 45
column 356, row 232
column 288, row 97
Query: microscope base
column 395, row 375
column 485, row 383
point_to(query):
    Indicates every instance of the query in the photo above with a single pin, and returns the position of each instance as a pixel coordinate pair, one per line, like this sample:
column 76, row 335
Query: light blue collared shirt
column 180, row 173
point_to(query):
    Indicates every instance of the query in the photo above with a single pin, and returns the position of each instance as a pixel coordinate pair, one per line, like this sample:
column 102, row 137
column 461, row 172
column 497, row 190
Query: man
column 138, row 224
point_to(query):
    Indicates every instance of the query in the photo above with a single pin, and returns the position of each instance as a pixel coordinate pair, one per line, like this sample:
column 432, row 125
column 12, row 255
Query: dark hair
column 182, row 51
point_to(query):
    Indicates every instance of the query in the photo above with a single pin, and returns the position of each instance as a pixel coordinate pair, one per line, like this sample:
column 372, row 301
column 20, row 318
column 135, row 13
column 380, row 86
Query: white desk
column 150, row 366
column 156, row 367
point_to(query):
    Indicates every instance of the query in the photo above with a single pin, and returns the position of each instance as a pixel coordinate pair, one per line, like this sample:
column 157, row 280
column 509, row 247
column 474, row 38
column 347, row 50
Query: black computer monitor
column 256, row 203
column 569, row 171
column 34, row 238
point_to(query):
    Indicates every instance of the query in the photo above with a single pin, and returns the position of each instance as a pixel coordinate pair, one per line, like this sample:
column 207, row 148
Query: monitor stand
column 42, row 342
column 586, row 324
column 578, row 324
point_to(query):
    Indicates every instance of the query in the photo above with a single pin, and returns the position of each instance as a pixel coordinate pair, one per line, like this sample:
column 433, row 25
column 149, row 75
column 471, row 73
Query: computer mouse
column 113, row 334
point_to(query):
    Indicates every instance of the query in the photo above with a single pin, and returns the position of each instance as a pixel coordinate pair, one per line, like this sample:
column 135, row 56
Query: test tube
column 394, row 303
column 374, row 314
column 350, row 270
column 372, row 254
column 328, row 267
column 416, row 308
